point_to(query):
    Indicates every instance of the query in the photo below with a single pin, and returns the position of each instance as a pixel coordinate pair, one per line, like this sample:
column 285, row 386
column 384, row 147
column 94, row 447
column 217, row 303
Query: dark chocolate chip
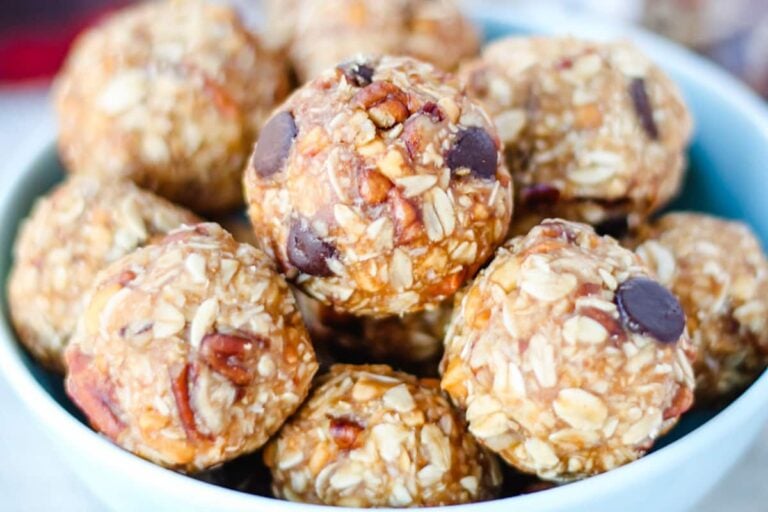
column 617, row 227
column 275, row 141
column 642, row 104
column 538, row 195
column 475, row 150
column 307, row 251
column 648, row 308
column 357, row 74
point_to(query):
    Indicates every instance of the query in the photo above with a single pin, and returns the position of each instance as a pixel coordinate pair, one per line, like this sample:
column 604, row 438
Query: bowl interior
column 727, row 177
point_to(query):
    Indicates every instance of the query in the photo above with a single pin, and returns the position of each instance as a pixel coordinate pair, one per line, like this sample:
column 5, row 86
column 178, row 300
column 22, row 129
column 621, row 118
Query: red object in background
column 35, row 35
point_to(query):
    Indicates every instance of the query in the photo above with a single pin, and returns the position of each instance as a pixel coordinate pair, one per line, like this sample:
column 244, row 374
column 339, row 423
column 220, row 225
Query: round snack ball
column 70, row 235
column 413, row 341
column 372, row 437
column 319, row 35
column 379, row 187
column 191, row 351
column 170, row 95
column 720, row 273
column 569, row 360
column 593, row 132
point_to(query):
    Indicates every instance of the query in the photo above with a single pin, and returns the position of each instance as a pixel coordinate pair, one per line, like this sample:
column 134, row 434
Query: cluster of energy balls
column 380, row 231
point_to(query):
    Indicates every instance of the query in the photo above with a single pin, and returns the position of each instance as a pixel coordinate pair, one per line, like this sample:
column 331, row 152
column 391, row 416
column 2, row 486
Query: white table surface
column 34, row 478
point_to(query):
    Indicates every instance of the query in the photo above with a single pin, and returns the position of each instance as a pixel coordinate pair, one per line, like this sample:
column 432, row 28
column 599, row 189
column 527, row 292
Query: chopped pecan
column 93, row 393
column 587, row 289
column 682, row 401
column 449, row 284
column 386, row 103
column 229, row 354
column 408, row 225
column 345, row 432
column 418, row 132
column 125, row 277
column 180, row 390
column 373, row 186
column 613, row 326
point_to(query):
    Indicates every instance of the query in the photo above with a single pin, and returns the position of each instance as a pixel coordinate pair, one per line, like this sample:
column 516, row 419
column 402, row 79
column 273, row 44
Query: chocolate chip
column 307, row 251
column 538, row 195
column 357, row 74
column 616, row 227
column 648, row 308
column 643, row 107
column 475, row 150
column 275, row 141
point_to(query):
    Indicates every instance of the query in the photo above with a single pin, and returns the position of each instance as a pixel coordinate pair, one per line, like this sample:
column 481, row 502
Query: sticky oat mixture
column 720, row 273
column 593, row 132
column 190, row 351
column 71, row 234
column 171, row 95
column 372, row 437
column 320, row 34
column 379, row 187
column 568, row 359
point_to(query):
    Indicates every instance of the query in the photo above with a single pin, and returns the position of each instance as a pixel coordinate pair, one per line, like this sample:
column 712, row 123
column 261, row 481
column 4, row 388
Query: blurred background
column 35, row 34
column 34, row 38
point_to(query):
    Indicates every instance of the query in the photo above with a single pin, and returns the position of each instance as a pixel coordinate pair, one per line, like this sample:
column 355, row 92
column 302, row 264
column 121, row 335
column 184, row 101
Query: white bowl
column 731, row 154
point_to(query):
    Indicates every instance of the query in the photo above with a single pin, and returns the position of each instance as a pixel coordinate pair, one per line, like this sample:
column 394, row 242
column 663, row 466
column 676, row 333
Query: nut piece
column 372, row 437
column 392, row 194
column 171, row 96
column 188, row 373
column 720, row 274
column 72, row 233
column 557, row 360
column 593, row 132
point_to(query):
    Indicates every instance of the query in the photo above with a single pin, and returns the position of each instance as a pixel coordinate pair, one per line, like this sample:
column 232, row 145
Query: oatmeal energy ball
column 567, row 357
column 169, row 94
column 190, row 352
column 414, row 340
column 379, row 187
column 372, row 437
column 71, row 234
column 320, row 34
column 593, row 132
column 720, row 274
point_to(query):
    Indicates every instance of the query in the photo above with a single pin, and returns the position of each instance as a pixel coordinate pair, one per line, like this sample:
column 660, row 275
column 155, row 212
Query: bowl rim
column 62, row 424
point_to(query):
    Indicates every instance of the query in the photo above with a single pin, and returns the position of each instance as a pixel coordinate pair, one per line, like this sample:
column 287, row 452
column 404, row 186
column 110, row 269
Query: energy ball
column 379, row 187
column 720, row 274
column 170, row 95
column 569, row 360
column 190, row 351
column 78, row 229
column 594, row 132
column 372, row 437
column 319, row 35
column 413, row 341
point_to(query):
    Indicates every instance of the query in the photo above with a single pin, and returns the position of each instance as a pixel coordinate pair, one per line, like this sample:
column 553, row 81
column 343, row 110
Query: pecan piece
column 228, row 354
column 345, row 432
column 682, row 401
column 373, row 186
column 408, row 225
column 386, row 103
column 613, row 326
column 418, row 132
column 93, row 393
column 180, row 390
